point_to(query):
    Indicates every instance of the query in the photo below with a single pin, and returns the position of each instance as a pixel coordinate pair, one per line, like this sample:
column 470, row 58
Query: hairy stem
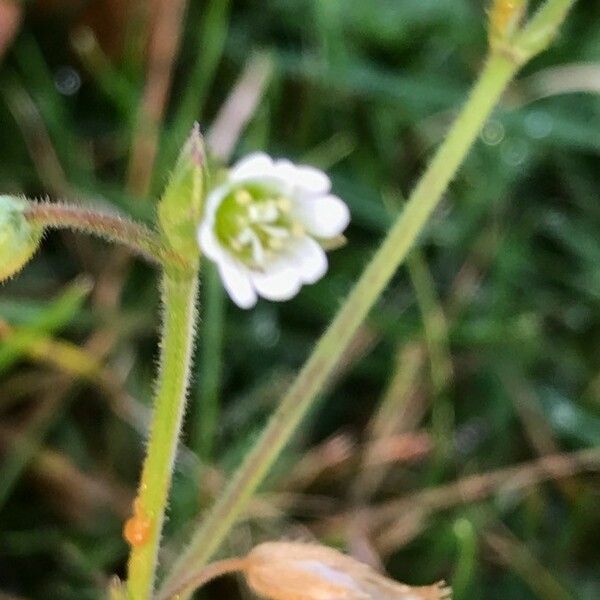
column 143, row 530
column 109, row 226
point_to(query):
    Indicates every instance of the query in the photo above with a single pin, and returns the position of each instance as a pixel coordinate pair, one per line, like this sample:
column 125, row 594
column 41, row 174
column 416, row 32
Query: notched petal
column 310, row 259
column 325, row 217
column 236, row 280
column 255, row 165
column 304, row 178
column 279, row 282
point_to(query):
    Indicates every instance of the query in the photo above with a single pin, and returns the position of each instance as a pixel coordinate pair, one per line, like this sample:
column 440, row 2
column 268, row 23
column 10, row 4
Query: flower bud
column 505, row 18
column 180, row 208
column 289, row 570
column 19, row 239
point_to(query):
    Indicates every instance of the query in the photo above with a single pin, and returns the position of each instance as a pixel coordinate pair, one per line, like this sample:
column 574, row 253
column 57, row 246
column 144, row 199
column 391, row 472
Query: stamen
column 243, row 197
column 264, row 212
column 245, row 236
column 275, row 243
column 298, row 229
column 284, row 204
column 275, row 231
column 258, row 252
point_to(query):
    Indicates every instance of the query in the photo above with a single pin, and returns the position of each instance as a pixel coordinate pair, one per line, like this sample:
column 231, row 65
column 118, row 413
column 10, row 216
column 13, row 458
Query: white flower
column 262, row 228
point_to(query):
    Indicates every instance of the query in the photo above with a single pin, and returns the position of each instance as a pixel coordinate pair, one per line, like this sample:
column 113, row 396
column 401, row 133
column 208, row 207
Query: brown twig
column 388, row 521
column 11, row 15
column 79, row 493
column 474, row 488
column 163, row 46
column 536, row 427
column 239, row 107
column 511, row 552
column 36, row 137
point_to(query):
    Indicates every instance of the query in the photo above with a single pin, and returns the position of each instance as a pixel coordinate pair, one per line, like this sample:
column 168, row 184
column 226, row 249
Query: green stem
column 210, row 364
column 179, row 298
column 542, row 28
column 112, row 227
column 496, row 74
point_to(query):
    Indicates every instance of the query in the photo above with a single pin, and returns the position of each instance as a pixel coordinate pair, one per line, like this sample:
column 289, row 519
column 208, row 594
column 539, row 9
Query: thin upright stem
column 109, row 226
column 143, row 530
column 542, row 27
column 494, row 78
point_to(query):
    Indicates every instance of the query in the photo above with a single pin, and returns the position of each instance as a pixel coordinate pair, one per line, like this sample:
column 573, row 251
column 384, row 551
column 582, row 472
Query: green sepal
column 19, row 239
column 180, row 208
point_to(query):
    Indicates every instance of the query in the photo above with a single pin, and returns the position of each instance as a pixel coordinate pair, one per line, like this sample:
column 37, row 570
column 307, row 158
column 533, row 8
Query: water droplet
column 555, row 220
column 563, row 416
column 493, row 132
column 266, row 328
column 538, row 124
column 67, row 81
column 471, row 435
column 514, row 152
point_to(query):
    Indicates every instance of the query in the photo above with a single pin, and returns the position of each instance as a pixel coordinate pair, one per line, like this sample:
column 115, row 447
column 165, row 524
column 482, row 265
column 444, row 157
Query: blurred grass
column 511, row 265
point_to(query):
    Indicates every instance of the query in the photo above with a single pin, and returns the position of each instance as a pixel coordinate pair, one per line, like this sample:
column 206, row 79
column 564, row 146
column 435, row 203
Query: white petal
column 214, row 200
column 303, row 177
column 323, row 217
column 209, row 244
column 280, row 281
column 254, row 166
column 236, row 280
column 311, row 260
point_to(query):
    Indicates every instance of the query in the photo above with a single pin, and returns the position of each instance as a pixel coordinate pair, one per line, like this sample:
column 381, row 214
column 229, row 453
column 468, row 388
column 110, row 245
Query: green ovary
column 254, row 223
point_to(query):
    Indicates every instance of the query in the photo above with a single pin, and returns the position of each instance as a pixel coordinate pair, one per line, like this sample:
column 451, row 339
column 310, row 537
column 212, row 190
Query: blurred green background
column 482, row 354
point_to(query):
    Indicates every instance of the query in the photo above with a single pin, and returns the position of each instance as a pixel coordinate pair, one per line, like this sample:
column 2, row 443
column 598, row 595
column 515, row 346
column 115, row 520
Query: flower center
column 255, row 223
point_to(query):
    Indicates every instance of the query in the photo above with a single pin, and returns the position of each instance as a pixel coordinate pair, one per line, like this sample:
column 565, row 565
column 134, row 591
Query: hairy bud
column 19, row 239
column 291, row 570
column 180, row 208
column 299, row 571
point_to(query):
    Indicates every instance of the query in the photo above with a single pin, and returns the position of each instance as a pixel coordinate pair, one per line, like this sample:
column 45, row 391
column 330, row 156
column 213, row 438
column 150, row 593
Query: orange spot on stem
column 136, row 530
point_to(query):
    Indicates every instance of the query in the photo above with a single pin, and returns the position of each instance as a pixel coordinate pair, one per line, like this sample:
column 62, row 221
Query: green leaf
column 55, row 316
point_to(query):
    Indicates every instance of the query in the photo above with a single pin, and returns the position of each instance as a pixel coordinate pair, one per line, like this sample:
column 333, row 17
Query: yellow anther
column 243, row 197
column 275, row 243
column 298, row 229
column 235, row 244
column 283, row 204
